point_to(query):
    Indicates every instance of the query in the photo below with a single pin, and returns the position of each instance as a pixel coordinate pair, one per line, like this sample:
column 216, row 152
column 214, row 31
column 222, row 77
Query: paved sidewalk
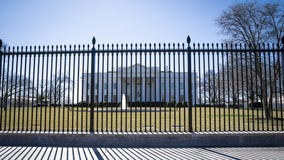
column 9, row 152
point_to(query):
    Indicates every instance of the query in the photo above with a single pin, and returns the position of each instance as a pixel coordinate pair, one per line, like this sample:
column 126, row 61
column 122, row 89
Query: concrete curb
column 194, row 139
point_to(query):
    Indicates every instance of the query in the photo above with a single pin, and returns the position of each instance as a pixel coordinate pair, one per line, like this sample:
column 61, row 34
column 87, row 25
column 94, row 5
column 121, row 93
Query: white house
column 140, row 84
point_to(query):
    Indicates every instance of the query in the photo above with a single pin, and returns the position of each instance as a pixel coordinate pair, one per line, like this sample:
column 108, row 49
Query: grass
column 232, row 119
column 166, row 119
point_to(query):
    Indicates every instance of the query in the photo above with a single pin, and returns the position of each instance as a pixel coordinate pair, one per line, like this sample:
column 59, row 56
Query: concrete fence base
column 194, row 139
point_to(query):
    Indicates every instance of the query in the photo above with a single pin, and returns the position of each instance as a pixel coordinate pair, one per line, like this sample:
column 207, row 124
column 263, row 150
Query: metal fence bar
column 131, row 89
column 155, row 89
column 165, row 88
column 112, row 91
column 275, row 86
column 281, row 80
column 126, row 88
column 179, row 93
column 116, row 82
column 189, row 86
column 97, row 88
column 242, row 88
column 184, row 87
column 122, row 88
column 219, row 88
column 92, row 104
column 214, row 89
column 69, row 88
column 160, row 89
column 2, row 84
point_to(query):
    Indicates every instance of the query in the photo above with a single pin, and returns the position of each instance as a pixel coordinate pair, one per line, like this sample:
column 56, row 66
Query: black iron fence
column 142, row 88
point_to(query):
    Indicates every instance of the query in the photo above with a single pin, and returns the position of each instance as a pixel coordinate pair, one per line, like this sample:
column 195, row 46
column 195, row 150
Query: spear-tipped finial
column 94, row 41
column 188, row 40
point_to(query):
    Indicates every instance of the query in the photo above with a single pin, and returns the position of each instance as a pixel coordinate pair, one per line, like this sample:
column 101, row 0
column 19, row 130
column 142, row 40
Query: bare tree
column 223, row 87
column 16, row 86
column 42, row 92
column 209, row 88
column 58, row 89
column 253, row 23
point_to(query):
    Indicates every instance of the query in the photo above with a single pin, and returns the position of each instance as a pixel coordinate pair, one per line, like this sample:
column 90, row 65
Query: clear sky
column 53, row 22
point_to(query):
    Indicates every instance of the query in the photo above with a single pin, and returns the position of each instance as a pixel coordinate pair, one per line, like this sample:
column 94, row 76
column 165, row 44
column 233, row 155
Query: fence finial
column 282, row 40
column 94, row 41
column 188, row 39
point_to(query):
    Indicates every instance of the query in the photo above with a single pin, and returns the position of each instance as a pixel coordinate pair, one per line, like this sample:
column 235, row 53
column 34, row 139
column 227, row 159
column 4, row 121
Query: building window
column 88, row 97
column 182, row 85
column 181, row 98
column 138, row 95
column 114, row 86
column 105, row 85
column 163, row 87
column 172, row 86
column 105, row 98
column 163, row 98
column 172, row 98
column 138, row 91
column 128, row 85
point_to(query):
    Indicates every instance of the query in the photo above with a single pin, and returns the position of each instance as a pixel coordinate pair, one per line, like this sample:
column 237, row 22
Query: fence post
column 189, row 85
column 1, row 59
column 282, row 61
column 92, row 104
column 1, row 98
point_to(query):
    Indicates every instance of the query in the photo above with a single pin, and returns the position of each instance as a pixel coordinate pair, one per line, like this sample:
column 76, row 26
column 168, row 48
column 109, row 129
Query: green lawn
column 166, row 119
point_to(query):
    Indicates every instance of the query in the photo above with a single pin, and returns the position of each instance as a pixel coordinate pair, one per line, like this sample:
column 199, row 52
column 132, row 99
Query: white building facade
column 140, row 84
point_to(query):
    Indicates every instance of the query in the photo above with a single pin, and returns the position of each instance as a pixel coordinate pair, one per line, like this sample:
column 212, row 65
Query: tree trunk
column 268, row 108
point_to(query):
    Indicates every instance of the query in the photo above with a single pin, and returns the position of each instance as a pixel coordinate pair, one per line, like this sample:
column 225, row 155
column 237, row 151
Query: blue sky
column 53, row 22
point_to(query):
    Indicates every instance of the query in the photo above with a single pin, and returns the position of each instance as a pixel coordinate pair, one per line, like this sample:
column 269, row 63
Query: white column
column 143, row 90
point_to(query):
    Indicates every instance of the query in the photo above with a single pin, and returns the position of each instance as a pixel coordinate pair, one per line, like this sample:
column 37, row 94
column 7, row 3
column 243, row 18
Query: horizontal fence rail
column 142, row 88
